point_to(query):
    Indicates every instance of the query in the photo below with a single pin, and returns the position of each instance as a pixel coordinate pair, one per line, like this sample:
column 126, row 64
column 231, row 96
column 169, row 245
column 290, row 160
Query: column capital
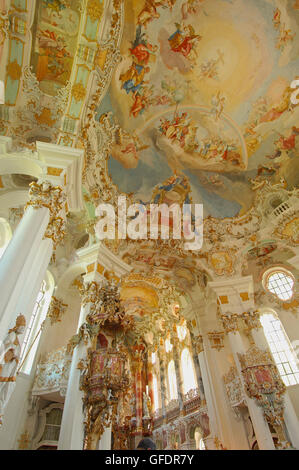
column 230, row 323
column 252, row 320
column 44, row 194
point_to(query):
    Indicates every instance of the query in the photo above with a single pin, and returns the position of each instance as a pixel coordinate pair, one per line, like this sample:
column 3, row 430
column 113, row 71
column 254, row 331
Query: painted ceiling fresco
column 55, row 35
column 203, row 90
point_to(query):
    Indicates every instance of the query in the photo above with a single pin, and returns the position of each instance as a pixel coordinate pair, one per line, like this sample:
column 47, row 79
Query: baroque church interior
column 105, row 339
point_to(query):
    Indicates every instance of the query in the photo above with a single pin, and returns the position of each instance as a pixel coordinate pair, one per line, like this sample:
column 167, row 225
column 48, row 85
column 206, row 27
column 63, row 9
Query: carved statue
column 146, row 405
column 9, row 358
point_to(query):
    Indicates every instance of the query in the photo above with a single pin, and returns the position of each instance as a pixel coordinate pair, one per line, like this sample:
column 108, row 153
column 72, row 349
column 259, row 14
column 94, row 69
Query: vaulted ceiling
column 173, row 101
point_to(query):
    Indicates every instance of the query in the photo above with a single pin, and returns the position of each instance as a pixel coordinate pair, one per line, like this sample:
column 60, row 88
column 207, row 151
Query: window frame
column 274, row 270
column 288, row 353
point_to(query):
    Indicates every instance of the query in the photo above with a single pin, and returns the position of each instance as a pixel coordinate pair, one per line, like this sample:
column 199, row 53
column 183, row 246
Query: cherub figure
column 10, row 352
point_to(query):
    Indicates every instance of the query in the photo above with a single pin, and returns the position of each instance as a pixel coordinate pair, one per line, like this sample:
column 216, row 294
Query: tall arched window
column 200, row 445
column 182, row 331
column 155, row 392
column 188, row 373
column 32, row 333
column 5, row 235
column 173, row 391
column 281, row 348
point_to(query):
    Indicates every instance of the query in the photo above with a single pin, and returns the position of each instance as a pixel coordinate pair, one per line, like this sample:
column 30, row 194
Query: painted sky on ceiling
column 203, row 90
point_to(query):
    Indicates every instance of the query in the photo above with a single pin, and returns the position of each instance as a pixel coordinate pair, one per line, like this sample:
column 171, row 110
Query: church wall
column 59, row 333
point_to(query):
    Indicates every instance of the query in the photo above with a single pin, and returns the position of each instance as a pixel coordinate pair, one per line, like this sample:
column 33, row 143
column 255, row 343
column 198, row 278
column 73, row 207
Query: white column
column 105, row 441
column 32, row 284
column 290, row 417
column 72, row 426
column 261, row 428
column 40, row 219
column 210, row 399
column 16, row 263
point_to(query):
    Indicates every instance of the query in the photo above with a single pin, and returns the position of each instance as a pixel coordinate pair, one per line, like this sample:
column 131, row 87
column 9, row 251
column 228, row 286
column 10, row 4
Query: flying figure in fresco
column 133, row 78
column 149, row 11
column 142, row 51
column 190, row 7
column 218, row 102
column 183, row 40
column 55, row 5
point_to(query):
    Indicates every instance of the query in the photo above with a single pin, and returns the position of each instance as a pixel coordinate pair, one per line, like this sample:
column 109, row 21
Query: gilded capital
column 44, row 194
column 230, row 323
column 252, row 320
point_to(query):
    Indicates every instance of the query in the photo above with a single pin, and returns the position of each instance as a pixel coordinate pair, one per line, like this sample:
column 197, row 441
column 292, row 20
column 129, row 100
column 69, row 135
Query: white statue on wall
column 146, row 405
column 10, row 351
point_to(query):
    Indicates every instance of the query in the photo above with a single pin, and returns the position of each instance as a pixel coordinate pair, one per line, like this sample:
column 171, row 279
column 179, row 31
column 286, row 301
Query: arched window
column 153, row 358
column 173, row 391
column 5, row 235
column 155, row 392
column 281, row 348
column 168, row 345
column 32, row 333
column 182, row 331
column 188, row 373
column 279, row 282
column 200, row 445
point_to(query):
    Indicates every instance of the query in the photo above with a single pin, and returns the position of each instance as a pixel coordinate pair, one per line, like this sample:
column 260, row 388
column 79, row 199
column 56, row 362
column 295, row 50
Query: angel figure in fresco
column 141, row 50
column 284, row 36
column 133, row 78
column 277, row 110
column 149, row 12
column 191, row 7
column 55, row 5
column 276, row 18
column 218, row 101
column 209, row 68
column 287, row 143
column 141, row 101
column 183, row 40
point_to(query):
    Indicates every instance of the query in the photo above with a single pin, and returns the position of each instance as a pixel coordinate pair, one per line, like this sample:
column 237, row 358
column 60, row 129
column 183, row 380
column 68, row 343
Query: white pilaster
column 209, row 396
column 16, row 263
column 105, row 441
column 290, row 417
column 72, row 425
column 261, row 428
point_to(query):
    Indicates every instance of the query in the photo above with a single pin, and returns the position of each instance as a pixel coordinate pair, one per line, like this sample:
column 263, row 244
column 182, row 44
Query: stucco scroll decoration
column 56, row 310
column 234, row 390
column 44, row 194
column 52, row 373
column 4, row 26
column 10, row 351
